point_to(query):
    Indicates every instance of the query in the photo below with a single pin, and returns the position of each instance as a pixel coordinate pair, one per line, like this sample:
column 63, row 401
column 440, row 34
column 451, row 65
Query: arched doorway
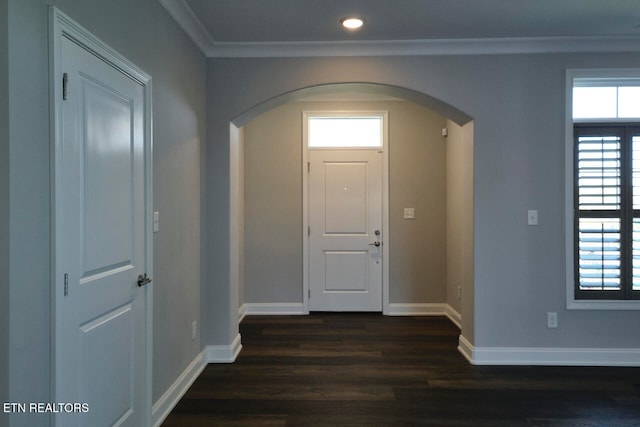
column 462, row 246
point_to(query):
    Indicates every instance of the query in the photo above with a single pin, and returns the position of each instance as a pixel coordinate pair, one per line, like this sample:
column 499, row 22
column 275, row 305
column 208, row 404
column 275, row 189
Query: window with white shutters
column 607, row 211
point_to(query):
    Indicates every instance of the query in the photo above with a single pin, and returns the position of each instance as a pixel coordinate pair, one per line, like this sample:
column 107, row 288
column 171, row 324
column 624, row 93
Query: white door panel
column 101, row 345
column 107, row 164
column 345, row 197
column 345, row 211
column 108, row 342
column 346, row 271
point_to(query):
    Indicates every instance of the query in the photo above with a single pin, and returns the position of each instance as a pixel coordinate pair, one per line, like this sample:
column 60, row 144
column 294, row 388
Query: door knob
column 376, row 243
column 143, row 280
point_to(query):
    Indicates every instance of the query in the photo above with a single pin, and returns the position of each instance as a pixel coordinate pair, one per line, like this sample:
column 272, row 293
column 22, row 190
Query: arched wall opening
column 458, row 304
column 336, row 89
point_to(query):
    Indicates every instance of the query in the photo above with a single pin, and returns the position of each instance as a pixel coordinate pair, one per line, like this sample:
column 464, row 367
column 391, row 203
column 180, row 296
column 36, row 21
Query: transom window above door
column 345, row 130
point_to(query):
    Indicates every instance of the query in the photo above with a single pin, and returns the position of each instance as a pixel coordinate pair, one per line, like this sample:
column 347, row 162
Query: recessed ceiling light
column 352, row 23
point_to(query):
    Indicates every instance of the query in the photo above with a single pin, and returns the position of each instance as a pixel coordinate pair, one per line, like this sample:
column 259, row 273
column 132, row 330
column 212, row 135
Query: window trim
column 572, row 303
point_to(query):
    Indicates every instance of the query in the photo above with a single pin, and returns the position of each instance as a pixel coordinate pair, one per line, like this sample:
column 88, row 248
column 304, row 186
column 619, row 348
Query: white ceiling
column 311, row 27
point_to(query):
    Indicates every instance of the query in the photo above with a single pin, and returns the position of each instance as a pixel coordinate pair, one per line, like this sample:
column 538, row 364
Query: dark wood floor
column 371, row 370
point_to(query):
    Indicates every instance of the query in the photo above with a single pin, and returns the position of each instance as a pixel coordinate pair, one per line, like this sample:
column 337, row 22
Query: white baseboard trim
column 465, row 348
column 549, row 356
column 454, row 316
column 242, row 311
column 272, row 309
column 211, row 354
column 223, row 353
column 163, row 407
column 424, row 309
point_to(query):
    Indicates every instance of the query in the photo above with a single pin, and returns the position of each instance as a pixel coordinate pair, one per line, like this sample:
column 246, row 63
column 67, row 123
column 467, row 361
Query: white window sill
column 574, row 304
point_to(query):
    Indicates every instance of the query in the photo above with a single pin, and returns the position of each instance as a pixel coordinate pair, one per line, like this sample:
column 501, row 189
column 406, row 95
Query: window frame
column 573, row 300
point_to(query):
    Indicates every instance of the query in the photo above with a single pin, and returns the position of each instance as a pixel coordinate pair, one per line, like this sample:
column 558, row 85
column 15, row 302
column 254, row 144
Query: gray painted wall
column 517, row 103
column 273, row 197
column 4, row 210
column 417, row 179
column 273, row 207
column 29, row 255
column 467, row 306
column 455, row 191
column 460, row 221
column 143, row 32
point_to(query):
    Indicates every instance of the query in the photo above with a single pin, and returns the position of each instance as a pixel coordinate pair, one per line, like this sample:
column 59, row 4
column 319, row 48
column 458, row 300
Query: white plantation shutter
column 635, row 179
column 599, row 203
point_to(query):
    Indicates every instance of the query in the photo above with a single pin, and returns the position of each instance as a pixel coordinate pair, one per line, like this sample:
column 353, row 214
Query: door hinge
column 309, row 293
column 308, row 167
column 65, row 80
column 309, row 231
column 66, row 284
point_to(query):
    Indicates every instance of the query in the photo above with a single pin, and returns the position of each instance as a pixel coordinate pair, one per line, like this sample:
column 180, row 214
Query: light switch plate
column 532, row 217
column 409, row 213
column 552, row 320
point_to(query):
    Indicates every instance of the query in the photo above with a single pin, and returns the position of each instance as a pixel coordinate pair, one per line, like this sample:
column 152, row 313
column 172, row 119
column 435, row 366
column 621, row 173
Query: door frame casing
column 63, row 27
column 305, row 198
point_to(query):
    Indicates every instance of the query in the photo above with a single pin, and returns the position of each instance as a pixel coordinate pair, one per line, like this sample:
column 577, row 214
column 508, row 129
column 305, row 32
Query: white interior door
column 345, row 239
column 101, row 233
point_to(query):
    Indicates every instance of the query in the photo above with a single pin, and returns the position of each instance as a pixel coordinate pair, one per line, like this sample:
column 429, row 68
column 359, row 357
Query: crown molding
column 192, row 26
column 425, row 47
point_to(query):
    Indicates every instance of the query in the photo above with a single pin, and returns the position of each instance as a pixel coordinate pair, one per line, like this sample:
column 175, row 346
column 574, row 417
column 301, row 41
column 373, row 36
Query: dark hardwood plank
column 346, row 369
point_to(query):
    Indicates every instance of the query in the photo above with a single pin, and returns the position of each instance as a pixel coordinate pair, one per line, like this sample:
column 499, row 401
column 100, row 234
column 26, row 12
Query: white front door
column 101, row 335
column 346, row 235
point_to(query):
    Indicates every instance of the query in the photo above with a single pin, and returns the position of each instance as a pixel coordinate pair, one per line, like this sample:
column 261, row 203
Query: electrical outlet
column 552, row 320
column 194, row 330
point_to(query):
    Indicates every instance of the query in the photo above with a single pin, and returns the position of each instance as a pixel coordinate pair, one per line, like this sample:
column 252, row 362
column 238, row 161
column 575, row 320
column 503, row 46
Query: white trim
column 306, row 290
column 568, row 190
column 385, row 197
column 549, row 356
column 386, row 228
column 484, row 46
column 278, row 309
column 454, row 316
column 210, row 354
column 426, row 309
column 575, row 304
column 242, row 312
column 419, row 309
column 284, row 309
column 571, row 302
column 62, row 26
column 465, row 348
column 189, row 22
column 163, row 407
column 223, row 353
